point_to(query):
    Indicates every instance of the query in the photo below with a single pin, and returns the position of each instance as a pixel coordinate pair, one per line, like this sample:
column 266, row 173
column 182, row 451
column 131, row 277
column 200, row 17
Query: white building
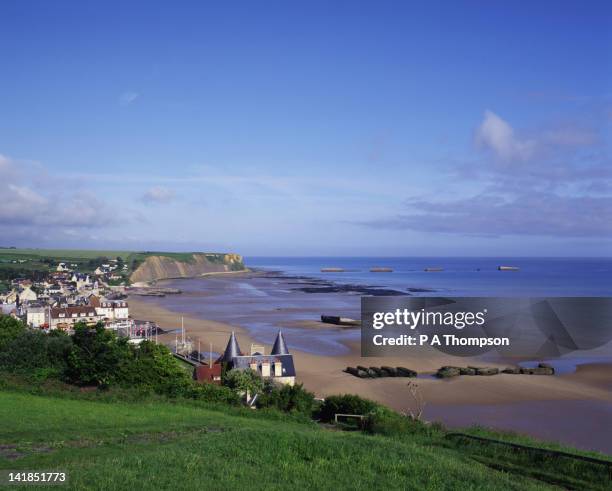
column 11, row 297
column 115, row 310
column 66, row 317
column 81, row 280
column 36, row 316
column 28, row 295
column 122, row 310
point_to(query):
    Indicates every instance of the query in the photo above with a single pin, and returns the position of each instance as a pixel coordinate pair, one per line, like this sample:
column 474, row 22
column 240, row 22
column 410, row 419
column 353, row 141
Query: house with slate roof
column 277, row 366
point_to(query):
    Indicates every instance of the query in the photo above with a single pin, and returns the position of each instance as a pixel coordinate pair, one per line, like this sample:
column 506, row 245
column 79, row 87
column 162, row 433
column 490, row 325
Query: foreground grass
column 161, row 445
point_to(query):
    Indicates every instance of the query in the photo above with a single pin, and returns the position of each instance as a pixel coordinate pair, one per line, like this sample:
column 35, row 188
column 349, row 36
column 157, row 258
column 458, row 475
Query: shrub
column 213, row 393
column 287, row 398
column 345, row 404
column 95, row 356
column 36, row 351
column 243, row 381
column 384, row 421
column 153, row 366
column 100, row 358
column 10, row 328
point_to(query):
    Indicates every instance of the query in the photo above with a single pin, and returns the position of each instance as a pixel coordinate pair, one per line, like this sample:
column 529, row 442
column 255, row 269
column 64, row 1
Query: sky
column 340, row 128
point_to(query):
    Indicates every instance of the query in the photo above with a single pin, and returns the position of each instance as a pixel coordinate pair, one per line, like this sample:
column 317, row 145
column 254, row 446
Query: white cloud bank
column 32, row 205
column 543, row 187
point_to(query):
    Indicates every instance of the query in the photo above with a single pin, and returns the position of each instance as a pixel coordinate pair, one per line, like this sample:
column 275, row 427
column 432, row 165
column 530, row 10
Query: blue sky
column 308, row 128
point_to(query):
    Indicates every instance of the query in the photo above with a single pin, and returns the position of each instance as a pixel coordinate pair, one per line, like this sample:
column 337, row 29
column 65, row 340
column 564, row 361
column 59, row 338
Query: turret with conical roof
column 280, row 347
column 232, row 350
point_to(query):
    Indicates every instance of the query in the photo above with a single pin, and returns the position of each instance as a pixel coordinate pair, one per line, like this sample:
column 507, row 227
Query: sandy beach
column 324, row 374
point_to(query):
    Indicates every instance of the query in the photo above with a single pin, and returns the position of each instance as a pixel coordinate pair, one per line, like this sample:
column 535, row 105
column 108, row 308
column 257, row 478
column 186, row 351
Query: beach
column 255, row 306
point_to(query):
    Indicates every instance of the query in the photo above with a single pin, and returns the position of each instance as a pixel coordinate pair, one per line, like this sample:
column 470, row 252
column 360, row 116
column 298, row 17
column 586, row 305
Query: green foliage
column 383, row 421
column 10, row 329
column 287, row 398
column 213, row 393
column 243, row 380
column 345, row 404
column 38, row 354
column 152, row 366
column 96, row 356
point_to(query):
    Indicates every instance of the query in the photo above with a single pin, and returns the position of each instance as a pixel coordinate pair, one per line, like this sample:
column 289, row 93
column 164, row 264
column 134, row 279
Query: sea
column 460, row 276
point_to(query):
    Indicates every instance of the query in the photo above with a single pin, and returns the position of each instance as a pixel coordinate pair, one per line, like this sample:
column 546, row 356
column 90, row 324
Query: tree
column 152, row 365
column 95, row 356
column 10, row 328
column 243, row 381
column 34, row 352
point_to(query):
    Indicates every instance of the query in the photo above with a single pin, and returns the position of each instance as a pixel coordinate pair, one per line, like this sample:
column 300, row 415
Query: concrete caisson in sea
column 339, row 321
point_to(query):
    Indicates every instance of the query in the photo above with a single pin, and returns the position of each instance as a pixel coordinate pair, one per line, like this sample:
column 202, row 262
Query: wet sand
column 544, row 406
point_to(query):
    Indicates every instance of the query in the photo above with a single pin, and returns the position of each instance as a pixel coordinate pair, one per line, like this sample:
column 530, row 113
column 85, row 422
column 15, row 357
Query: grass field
column 161, row 445
column 64, row 253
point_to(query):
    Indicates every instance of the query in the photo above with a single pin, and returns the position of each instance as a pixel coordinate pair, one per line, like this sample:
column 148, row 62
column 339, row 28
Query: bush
column 96, row 356
column 152, row 366
column 287, row 398
column 10, row 328
column 213, row 393
column 345, row 404
column 35, row 351
column 243, row 381
column 384, row 421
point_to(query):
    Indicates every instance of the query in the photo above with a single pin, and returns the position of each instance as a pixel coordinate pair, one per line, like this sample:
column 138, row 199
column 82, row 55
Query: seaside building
column 28, row 295
column 36, row 316
column 112, row 310
column 277, row 366
column 66, row 317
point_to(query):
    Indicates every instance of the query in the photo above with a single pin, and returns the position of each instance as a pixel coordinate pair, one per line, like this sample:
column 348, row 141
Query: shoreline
column 324, row 374
column 461, row 401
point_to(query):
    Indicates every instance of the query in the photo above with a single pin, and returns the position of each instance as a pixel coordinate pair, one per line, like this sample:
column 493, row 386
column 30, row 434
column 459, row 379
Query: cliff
column 159, row 266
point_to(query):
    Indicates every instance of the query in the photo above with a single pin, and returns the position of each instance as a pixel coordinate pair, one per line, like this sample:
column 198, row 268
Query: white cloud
column 128, row 97
column 26, row 204
column 158, row 194
column 497, row 135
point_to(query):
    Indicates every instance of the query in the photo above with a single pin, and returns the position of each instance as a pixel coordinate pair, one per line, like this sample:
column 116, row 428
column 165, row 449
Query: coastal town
column 66, row 296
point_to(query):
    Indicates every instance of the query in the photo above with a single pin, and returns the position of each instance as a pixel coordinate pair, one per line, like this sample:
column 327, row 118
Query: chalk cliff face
column 164, row 267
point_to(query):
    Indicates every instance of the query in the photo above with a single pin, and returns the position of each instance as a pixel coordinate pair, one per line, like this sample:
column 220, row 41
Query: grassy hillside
column 159, row 445
column 162, row 445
